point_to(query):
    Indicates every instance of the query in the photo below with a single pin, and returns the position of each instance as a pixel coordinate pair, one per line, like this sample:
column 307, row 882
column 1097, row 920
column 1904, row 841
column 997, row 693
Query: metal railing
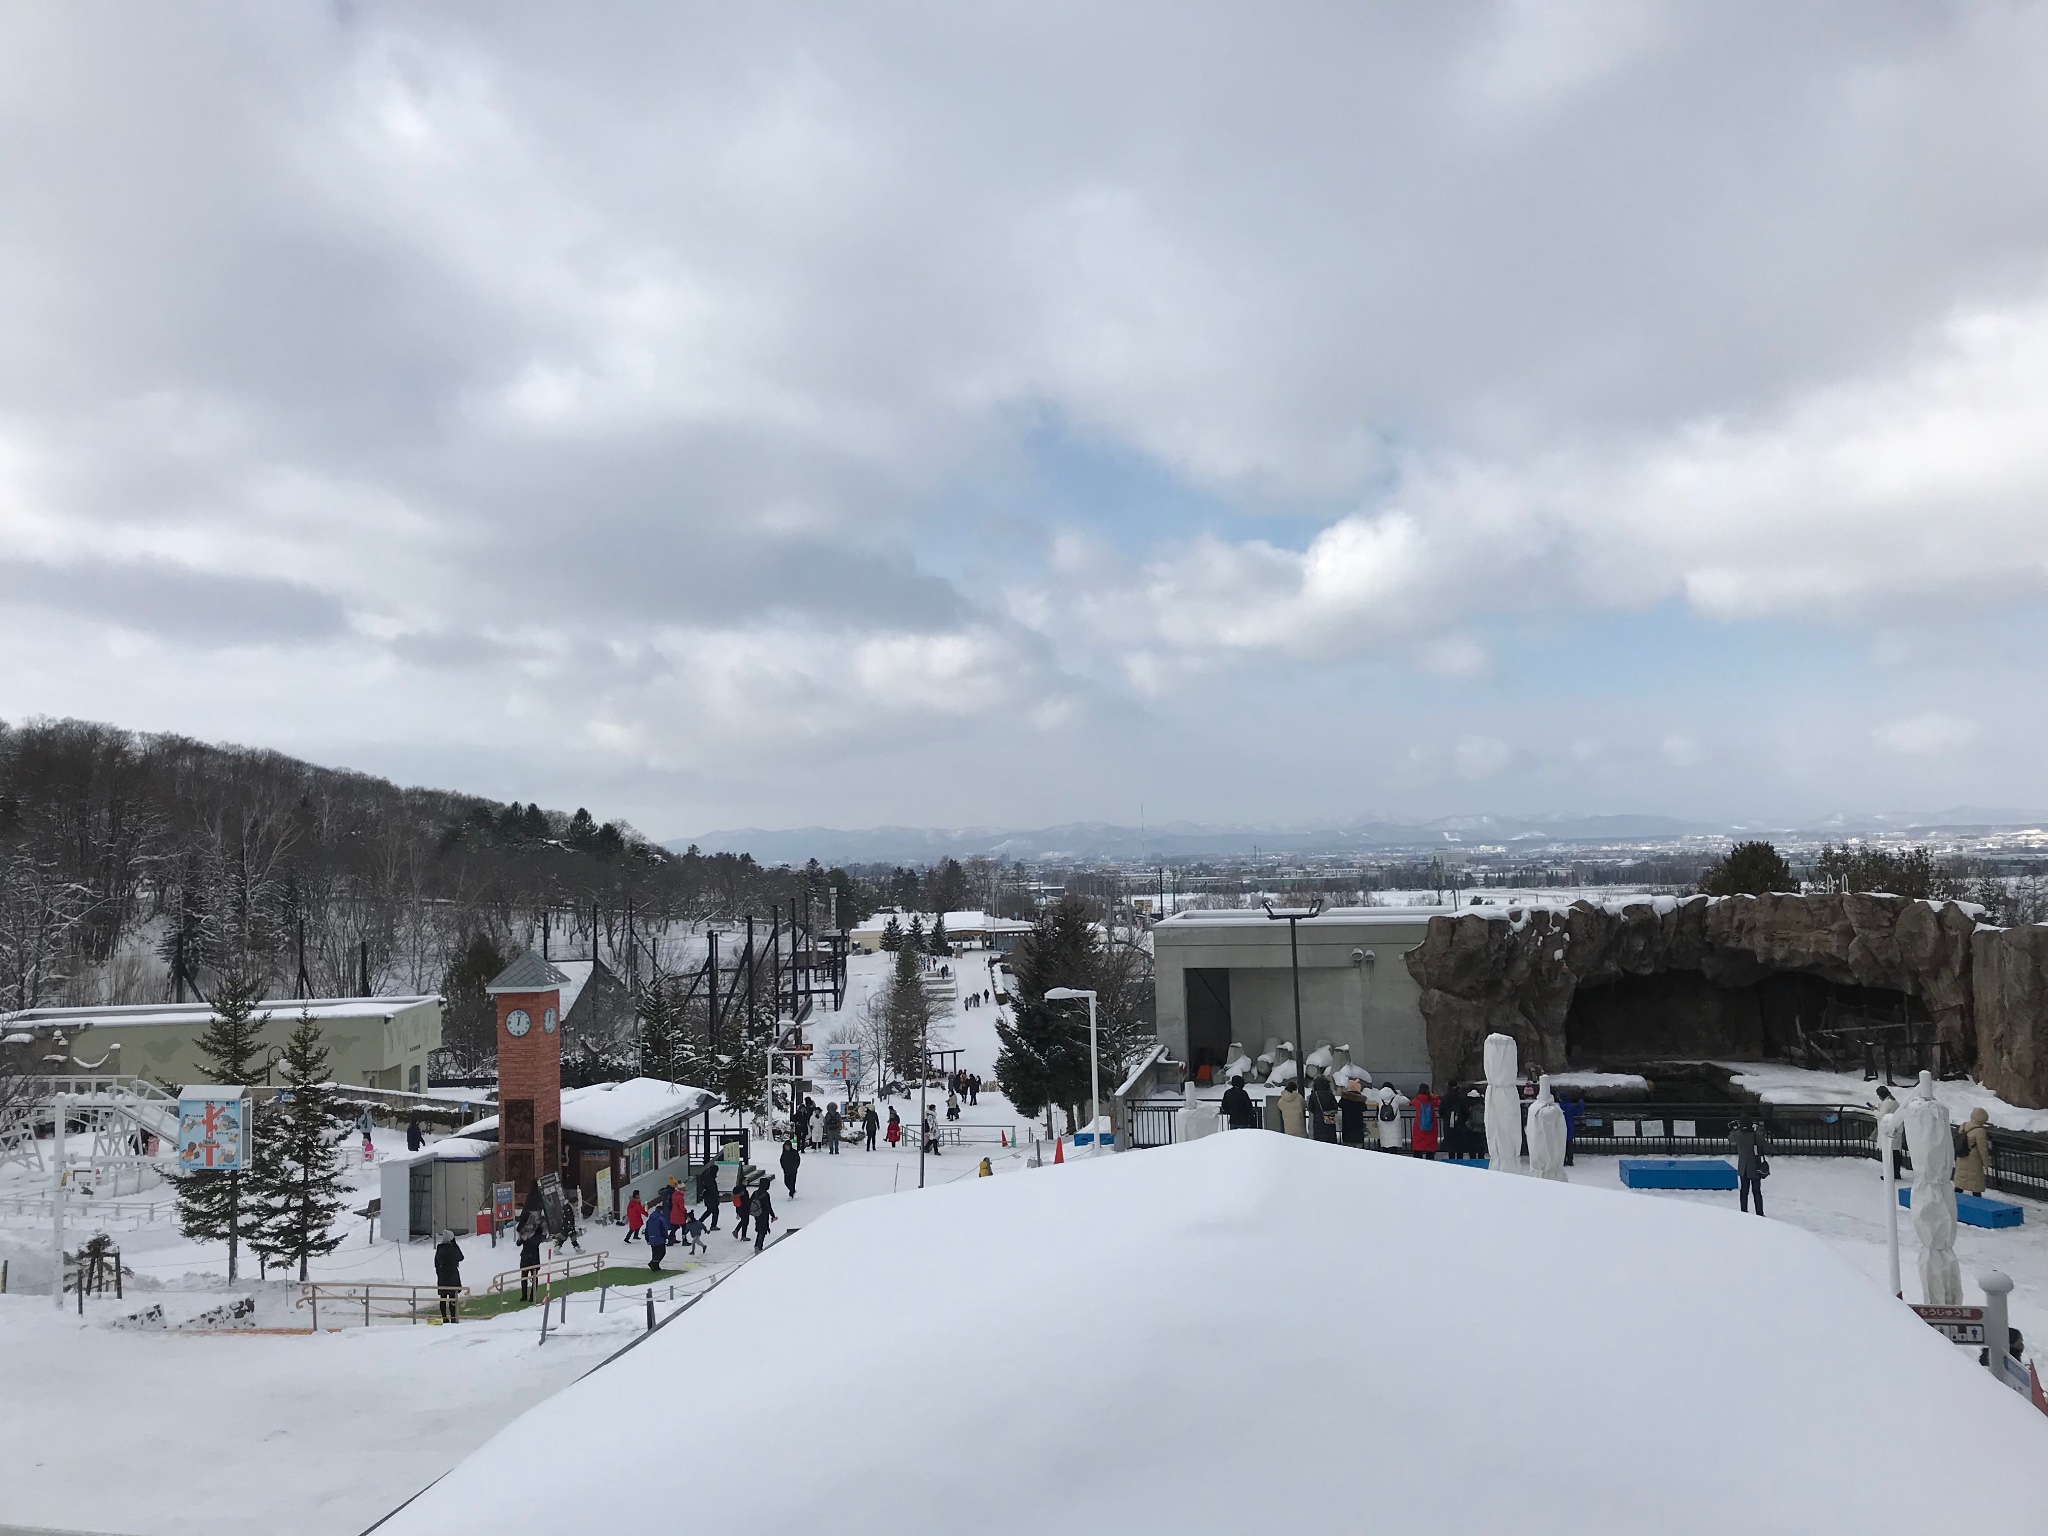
column 1153, row 1122
column 373, row 1299
column 555, row 1270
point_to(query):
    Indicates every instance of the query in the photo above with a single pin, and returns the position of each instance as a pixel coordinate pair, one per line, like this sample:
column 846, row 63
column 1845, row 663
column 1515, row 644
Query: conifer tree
column 662, row 1030
column 1043, row 1058
column 913, row 938
column 937, row 944
column 892, row 934
column 213, row 1206
column 298, row 1183
column 909, row 1011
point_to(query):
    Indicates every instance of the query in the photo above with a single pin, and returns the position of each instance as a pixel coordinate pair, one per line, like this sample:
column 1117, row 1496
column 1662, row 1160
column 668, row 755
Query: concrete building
column 1225, row 976
column 372, row 1042
column 964, row 930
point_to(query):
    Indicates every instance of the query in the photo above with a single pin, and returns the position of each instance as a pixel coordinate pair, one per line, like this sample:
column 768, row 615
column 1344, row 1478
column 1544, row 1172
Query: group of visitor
column 824, row 1129
column 1358, row 1115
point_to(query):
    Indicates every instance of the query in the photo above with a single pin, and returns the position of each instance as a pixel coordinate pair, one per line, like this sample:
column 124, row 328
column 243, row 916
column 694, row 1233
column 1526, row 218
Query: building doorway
column 1208, row 1002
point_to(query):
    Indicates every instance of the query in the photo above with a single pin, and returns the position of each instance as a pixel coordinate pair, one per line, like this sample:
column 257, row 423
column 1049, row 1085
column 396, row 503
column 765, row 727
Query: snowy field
column 323, row 1434
column 1206, row 1336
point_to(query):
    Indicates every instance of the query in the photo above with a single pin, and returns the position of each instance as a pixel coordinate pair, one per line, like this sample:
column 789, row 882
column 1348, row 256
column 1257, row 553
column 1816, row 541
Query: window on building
column 413, row 1080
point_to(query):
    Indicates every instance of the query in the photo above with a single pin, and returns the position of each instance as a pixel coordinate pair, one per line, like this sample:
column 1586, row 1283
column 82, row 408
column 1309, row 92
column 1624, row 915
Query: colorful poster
column 843, row 1063
column 213, row 1133
column 504, row 1210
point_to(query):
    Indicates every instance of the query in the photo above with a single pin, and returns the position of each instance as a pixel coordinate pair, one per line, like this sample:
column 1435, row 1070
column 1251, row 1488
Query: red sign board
column 1963, row 1325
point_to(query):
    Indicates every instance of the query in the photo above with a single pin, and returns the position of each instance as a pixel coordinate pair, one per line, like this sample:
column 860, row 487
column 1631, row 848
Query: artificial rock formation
column 1723, row 976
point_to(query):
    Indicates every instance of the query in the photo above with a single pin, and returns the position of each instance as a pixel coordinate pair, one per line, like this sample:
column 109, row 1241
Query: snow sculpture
column 1348, row 1072
column 1236, row 1063
column 1934, row 1195
column 1267, row 1057
column 1546, row 1134
column 1319, row 1059
column 1285, row 1069
column 1503, row 1104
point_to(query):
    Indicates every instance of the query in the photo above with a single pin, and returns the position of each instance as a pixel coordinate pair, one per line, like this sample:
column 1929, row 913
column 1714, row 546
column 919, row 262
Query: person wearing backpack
column 1752, row 1164
column 1391, row 1105
column 1428, row 1112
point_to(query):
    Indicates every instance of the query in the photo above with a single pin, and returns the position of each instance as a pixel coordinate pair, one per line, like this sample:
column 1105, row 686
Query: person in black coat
column 1238, row 1110
column 871, row 1123
column 743, row 1208
column 532, row 1229
column 1322, row 1109
column 415, row 1138
column 791, row 1161
column 707, row 1194
column 764, row 1213
column 448, row 1275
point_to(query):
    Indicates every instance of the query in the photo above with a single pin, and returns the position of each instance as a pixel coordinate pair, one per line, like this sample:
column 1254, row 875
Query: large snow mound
column 1217, row 1335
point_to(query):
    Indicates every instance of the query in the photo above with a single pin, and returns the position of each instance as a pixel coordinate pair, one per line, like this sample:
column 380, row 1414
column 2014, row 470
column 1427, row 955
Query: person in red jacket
column 1429, row 1113
column 636, row 1213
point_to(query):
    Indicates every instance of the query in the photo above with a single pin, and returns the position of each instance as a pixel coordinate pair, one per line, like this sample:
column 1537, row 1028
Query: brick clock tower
column 528, row 994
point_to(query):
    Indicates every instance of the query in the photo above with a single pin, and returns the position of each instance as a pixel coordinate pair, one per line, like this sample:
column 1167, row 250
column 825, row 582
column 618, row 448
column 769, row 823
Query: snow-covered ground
column 1251, row 1330
column 322, row 1434
column 1776, row 1084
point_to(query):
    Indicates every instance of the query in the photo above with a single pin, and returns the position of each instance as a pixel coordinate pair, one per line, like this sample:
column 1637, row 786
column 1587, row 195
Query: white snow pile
column 622, row 1112
column 1138, row 1343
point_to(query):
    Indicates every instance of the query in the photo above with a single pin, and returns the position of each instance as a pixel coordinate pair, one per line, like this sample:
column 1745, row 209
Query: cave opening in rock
column 1790, row 1016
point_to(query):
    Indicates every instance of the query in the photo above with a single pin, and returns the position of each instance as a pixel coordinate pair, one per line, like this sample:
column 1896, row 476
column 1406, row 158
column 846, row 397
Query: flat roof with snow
column 1251, row 1330
column 185, row 1015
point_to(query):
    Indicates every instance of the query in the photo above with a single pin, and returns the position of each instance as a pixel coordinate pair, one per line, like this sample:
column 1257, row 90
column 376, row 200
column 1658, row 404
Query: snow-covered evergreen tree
column 663, row 1031
column 892, row 934
column 938, row 944
column 221, row 1206
column 297, row 1178
column 909, row 1014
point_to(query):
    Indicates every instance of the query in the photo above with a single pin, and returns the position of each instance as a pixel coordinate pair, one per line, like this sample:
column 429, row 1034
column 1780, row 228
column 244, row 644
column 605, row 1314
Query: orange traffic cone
column 1059, row 1150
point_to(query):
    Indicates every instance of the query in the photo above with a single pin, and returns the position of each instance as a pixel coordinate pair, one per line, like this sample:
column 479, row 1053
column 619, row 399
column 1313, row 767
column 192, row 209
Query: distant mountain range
column 1095, row 840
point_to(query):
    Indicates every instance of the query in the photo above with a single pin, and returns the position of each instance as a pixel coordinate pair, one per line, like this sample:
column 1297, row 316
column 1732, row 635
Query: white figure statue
column 1236, row 1063
column 1347, row 1072
column 1546, row 1134
column 1285, row 1069
column 1934, row 1195
column 1267, row 1057
column 1503, row 1104
column 1319, row 1059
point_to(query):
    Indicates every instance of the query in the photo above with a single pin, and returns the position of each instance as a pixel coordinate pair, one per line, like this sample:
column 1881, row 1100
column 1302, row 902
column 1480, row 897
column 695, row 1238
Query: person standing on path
column 832, row 1125
column 1751, row 1149
column 1238, row 1111
column 1352, row 1108
column 448, row 1275
column 636, row 1216
column 1322, row 1109
column 742, row 1208
column 415, row 1138
column 871, row 1124
column 658, row 1232
column 1974, row 1165
column 895, row 1136
column 764, row 1213
column 366, row 1125
column 1392, row 1103
column 707, row 1193
column 792, row 1160
column 1293, row 1120
column 1428, row 1123
column 532, row 1228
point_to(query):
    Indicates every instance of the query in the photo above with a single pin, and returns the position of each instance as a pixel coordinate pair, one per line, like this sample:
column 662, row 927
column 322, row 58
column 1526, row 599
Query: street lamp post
column 1293, row 917
column 1063, row 994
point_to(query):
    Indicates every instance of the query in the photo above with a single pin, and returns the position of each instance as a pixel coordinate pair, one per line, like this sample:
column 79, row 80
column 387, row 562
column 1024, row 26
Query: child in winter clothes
column 636, row 1216
column 657, row 1238
column 693, row 1231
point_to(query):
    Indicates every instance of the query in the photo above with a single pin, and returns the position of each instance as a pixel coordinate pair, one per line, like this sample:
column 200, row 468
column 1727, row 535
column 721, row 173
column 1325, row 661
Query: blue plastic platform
column 1677, row 1173
column 1464, row 1162
column 1975, row 1210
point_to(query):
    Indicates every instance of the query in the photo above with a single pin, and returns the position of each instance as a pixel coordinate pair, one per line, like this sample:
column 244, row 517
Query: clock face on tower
column 517, row 1023
column 547, row 1020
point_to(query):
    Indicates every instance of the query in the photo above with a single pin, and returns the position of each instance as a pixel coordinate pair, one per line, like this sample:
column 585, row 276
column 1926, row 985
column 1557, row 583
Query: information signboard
column 843, row 1064
column 503, row 1211
column 213, row 1130
column 1963, row 1325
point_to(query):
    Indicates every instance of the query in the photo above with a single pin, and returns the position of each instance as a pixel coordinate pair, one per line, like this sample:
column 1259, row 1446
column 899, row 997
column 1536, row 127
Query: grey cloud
column 195, row 607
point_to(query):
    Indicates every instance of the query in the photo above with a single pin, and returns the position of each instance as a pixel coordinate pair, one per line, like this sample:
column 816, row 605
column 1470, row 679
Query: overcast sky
column 752, row 415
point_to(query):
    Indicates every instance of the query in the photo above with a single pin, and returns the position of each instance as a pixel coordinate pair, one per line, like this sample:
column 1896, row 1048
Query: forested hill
column 126, row 857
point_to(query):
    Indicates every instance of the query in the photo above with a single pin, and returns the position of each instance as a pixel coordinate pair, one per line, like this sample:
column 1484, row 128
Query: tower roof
column 529, row 973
